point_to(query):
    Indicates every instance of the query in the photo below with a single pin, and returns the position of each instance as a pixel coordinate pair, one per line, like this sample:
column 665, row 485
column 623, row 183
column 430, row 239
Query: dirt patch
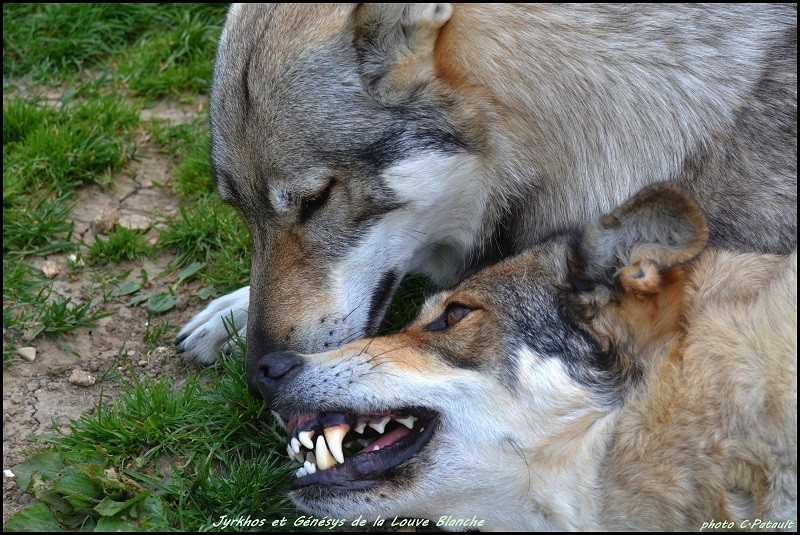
column 43, row 396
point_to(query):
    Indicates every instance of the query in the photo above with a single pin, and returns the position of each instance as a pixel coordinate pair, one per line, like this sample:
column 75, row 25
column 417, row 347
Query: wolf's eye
column 456, row 313
column 314, row 202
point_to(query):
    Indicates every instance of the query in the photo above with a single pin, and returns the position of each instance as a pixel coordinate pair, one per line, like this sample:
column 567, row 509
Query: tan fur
column 716, row 425
column 292, row 273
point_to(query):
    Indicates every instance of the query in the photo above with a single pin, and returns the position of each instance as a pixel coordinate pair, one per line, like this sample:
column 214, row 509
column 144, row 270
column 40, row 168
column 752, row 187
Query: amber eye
column 456, row 314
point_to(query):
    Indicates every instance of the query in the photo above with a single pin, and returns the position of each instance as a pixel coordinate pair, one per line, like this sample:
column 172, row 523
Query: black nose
column 275, row 368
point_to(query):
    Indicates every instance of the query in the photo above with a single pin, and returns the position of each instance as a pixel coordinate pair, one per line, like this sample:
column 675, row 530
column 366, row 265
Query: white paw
column 205, row 336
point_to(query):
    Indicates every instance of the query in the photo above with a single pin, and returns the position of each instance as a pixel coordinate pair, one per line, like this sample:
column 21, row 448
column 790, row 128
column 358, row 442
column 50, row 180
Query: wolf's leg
column 205, row 335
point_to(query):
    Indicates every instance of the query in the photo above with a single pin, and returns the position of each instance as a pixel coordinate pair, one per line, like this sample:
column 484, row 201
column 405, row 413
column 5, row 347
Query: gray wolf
column 618, row 377
column 364, row 142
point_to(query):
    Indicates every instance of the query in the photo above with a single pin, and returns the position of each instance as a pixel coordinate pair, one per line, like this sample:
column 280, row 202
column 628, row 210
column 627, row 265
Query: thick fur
column 361, row 143
column 633, row 381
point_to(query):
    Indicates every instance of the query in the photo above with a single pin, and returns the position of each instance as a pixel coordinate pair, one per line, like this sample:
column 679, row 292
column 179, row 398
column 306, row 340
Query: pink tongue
column 388, row 439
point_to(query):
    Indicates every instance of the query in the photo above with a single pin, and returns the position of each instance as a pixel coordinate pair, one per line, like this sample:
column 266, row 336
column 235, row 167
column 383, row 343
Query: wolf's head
column 492, row 401
column 347, row 161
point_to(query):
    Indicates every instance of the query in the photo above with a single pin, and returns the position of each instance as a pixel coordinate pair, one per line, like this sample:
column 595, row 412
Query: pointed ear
column 395, row 44
column 658, row 228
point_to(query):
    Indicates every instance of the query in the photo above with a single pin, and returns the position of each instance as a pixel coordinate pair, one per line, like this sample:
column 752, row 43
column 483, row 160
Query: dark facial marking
column 380, row 296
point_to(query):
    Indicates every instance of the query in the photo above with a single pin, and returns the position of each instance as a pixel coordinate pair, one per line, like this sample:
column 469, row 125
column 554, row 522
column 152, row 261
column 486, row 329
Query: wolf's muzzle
column 274, row 368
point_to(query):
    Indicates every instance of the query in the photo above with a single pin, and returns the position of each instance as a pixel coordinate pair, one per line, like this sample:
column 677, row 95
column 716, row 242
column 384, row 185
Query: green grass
column 187, row 453
column 48, row 153
column 159, row 49
column 213, row 233
column 30, row 310
column 190, row 144
column 204, row 230
column 179, row 58
column 122, row 244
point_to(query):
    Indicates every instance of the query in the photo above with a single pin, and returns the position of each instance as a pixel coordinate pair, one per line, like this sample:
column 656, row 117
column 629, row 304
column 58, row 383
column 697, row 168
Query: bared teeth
column 360, row 428
column 292, row 455
column 333, row 438
column 306, row 439
column 310, row 468
column 380, row 426
column 295, row 445
column 408, row 421
column 324, row 458
column 301, row 472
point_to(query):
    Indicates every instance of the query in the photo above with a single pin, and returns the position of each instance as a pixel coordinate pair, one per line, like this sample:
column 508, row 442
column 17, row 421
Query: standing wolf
column 364, row 142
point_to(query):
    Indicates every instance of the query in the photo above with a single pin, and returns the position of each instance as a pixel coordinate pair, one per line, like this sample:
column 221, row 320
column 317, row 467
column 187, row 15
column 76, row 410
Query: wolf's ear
column 660, row 227
column 395, row 45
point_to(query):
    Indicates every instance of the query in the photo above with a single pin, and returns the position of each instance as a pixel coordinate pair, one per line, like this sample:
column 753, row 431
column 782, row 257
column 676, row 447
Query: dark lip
column 366, row 470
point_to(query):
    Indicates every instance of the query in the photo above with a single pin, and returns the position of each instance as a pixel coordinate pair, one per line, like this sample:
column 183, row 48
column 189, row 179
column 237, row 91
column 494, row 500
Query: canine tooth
column 306, row 439
column 295, row 444
column 333, row 438
column 324, row 458
column 380, row 426
column 310, row 468
column 301, row 472
column 408, row 421
column 360, row 428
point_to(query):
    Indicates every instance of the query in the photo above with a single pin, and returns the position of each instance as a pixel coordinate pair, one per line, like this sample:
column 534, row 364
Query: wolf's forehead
column 289, row 27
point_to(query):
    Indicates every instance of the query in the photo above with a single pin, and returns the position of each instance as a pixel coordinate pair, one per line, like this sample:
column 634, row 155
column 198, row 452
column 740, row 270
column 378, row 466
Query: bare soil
column 38, row 396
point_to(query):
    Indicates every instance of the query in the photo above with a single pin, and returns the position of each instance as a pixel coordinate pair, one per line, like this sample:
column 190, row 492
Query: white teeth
column 408, row 421
column 306, row 439
column 301, row 472
column 364, row 443
column 295, row 444
column 376, row 448
column 333, row 438
column 380, row 426
column 324, row 458
column 360, row 428
column 310, row 468
column 292, row 455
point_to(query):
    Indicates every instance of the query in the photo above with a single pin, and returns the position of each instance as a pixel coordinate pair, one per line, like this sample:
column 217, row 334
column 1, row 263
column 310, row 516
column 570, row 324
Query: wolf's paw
column 206, row 334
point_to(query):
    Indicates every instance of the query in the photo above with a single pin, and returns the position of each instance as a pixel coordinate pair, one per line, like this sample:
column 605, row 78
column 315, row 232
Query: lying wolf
column 616, row 378
column 364, row 142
